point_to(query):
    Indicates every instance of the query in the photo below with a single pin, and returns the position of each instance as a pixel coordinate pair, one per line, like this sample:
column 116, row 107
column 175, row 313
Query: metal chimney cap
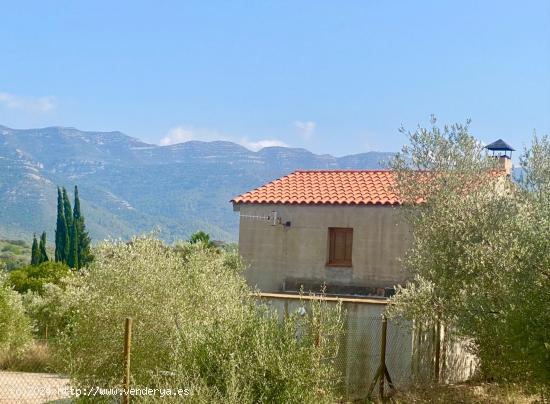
column 500, row 145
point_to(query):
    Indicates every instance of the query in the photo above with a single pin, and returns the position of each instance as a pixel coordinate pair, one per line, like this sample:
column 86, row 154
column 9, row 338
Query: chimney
column 503, row 152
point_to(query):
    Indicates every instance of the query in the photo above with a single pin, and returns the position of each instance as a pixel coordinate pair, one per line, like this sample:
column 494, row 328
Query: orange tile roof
column 333, row 187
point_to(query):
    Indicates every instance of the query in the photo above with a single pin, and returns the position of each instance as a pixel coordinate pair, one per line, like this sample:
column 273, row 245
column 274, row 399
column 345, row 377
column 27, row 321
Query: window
column 340, row 243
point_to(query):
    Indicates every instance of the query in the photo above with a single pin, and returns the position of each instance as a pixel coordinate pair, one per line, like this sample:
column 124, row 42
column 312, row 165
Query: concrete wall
column 277, row 253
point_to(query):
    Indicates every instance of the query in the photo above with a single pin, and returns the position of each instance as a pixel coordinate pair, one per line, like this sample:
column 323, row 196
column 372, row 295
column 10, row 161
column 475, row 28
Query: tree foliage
column 35, row 253
column 34, row 277
column 480, row 257
column 43, row 253
column 72, row 258
column 61, row 230
column 39, row 253
column 67, row 210
column 84, row 252
column 195, row 321
column 201, row 237
column 15, row 331
column 72, row 239
column 49, row 308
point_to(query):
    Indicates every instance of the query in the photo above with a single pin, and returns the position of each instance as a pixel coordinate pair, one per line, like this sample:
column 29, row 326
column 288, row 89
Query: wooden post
column 127, row 348
column 437, row 350
column 443, row 360
column 383, row 356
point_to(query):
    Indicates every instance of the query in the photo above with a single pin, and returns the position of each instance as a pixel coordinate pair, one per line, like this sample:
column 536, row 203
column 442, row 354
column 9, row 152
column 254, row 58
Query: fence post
column 127, row 348
column 437, row 350
column 383, row 356
column 382, row 372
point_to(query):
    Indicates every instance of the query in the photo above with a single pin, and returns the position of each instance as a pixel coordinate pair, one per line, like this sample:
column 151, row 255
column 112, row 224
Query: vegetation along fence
column 409, row 353
column 376, row 356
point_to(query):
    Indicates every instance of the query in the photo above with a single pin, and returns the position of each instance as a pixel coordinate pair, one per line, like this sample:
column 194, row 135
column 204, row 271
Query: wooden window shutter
column 340, row 246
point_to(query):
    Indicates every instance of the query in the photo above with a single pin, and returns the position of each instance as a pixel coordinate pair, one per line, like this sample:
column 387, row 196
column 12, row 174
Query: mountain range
column 129, row 187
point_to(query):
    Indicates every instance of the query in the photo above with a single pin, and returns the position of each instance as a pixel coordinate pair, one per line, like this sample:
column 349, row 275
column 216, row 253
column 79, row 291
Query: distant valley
column 129, row 187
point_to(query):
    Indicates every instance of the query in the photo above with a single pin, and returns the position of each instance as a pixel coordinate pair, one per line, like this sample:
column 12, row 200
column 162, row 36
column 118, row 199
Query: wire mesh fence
column 360, row 355
column 407, row 352
column 28, row 376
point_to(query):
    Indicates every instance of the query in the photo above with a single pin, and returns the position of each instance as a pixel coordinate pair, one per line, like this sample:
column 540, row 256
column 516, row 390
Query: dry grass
column 468, row 393
column 35, row 358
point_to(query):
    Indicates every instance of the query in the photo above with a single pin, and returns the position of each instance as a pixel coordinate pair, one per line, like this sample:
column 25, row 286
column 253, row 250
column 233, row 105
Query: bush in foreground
column 196, row 326
column 15, row 330
column 34, row 277
column 49, row 311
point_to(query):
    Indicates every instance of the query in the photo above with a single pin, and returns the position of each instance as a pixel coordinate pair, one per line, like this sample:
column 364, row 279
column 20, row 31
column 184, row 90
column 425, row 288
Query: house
column 334, row 228
column 337, row 229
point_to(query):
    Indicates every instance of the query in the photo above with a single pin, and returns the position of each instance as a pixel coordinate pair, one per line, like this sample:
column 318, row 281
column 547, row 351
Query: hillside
column 14, row 253
column 128, row 186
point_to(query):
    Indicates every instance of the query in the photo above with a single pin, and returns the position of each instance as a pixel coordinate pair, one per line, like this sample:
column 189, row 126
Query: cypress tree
column 84, row 253
column 76, row 213
column 67, row 210
column 42, row 249
column 61, row 231
column 72, row 259
column 35, row 254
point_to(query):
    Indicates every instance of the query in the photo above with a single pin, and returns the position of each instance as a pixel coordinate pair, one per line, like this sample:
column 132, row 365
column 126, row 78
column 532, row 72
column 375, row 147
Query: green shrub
column 49, row 311
column 201, row 237
column 196, row 325
column 15, row 330
column 33, row 278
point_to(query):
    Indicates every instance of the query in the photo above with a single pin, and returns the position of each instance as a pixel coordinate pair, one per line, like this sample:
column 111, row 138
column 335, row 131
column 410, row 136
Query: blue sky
column 335, row 77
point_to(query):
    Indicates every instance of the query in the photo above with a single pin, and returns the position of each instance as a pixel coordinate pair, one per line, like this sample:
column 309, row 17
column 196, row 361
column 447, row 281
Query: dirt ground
column 469, row 393
column 32, row 388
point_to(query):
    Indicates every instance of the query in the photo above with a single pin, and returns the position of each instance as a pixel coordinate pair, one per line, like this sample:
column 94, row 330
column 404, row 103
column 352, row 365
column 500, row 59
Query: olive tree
column 480, row 256
column 15, row 330
column 196, row 325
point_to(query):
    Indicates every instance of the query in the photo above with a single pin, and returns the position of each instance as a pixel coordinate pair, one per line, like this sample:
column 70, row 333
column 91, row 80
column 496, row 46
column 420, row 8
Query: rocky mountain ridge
column 128, row 186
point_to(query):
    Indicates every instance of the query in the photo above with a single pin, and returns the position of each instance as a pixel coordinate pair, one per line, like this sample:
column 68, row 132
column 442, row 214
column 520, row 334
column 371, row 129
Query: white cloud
column 29, row 104
column 260, row 144
column 305, row 128
column 181, row 134
column 178, row 134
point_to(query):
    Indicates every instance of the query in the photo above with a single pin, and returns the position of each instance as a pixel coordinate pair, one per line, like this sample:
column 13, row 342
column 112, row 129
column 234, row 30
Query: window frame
column 332, row 232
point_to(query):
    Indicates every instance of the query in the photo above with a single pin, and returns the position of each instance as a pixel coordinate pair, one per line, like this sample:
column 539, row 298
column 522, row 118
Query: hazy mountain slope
column 14, row 254
column 128, row 186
